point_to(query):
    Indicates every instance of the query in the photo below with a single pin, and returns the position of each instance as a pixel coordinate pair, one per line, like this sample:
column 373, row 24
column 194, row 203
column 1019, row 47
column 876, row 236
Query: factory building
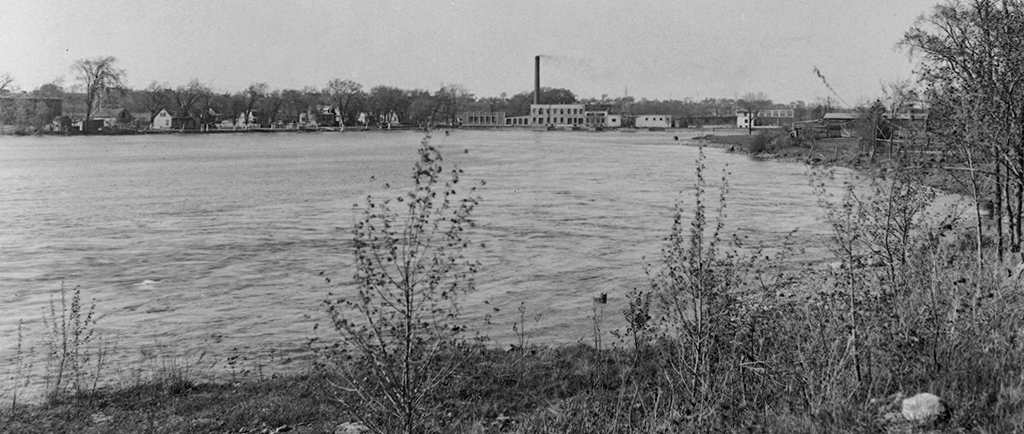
column 557, row 114
column 481, row 119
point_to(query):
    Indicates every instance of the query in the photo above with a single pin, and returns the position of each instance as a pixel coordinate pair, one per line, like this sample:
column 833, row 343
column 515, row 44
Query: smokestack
column 536, row 80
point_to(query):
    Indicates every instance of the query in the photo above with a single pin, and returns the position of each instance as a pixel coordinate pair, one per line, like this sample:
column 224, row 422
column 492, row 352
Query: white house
column 162, row 120
column 253, row 120
column 654, row 121
column 389, row 119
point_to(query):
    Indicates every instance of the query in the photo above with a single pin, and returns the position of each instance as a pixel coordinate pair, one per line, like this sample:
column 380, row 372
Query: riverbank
column 846, row 152
column 796, row 382
column 778, row 356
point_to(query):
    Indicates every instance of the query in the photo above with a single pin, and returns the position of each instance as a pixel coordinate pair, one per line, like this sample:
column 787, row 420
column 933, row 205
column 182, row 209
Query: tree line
column 100, row 83
column 971, row 74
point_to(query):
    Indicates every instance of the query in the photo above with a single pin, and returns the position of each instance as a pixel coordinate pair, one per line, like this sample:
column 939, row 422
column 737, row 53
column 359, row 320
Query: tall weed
column 716, row 311
column 69, row 328
column 400, row 329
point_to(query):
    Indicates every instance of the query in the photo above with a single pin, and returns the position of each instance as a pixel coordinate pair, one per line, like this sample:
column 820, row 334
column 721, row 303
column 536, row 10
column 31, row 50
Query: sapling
column 69, row 330
column 400, row 327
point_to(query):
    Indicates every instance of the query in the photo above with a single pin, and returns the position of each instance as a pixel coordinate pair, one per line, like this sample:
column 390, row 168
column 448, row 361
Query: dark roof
column 108, row 112
column 841, row 116
column 907, row 116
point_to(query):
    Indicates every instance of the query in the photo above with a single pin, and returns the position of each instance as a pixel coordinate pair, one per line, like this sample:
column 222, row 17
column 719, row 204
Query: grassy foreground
column 546, row 390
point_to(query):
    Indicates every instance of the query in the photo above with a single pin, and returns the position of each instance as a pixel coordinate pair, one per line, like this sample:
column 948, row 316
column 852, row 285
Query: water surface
column 216, row 243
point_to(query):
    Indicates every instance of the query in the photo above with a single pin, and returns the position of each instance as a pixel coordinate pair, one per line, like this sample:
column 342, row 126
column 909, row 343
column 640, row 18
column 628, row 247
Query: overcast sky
column 657, row 49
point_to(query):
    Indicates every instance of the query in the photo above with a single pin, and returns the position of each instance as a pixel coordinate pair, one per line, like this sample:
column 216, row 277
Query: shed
column 113, row 117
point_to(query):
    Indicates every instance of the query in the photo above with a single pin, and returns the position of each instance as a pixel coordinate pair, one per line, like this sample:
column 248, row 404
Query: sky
column 655, row 49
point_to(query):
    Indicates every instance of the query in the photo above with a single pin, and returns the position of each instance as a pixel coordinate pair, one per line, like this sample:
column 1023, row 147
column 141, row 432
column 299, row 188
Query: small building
column 775, row 117
column 594, row 118
column 252, row 121
column 162, row 120
column 654, row 121
column 600, row 119
column 141, row 120
column 114, row 117
column 839, row 124
column 768, row 117
column 183, row 123
column 212, row 117
column 321, row 116
column 61, row 123
column 90, row 126
column 706, row 121
column 907, row 125
column 387, row 120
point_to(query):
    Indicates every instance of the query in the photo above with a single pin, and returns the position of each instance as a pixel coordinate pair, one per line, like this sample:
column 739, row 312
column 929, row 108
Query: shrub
column 764, row 142
column 69, row 332
column 717, row 311
column 400, row 328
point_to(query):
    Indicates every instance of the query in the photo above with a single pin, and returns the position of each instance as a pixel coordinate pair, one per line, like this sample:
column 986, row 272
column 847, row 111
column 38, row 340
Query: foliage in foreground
column 400, row 330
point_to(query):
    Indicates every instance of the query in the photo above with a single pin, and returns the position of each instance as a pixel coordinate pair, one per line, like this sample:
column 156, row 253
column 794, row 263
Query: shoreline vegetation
column 716, row 343
column 915, row 326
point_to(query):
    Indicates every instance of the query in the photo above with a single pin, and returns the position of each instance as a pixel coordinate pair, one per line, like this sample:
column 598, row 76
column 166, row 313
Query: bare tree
column 754, row 103
column 296, row 102
column 421, row 108
column 6, row 82
column 271, row 105
column 252, row 95
column 450, row 99
column 154, row 98
column 98, row 76
column 974, row 72
column 188, row 98
column 342, row 95
column 386, row 102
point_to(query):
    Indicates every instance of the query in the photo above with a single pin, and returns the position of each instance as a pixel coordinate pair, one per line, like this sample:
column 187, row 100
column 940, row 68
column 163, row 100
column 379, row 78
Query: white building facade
column 557, row 115
column 654, row 121
column 162, row 120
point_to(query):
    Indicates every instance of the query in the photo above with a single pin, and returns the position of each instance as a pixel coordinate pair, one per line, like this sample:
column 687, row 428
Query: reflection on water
column 216, row 242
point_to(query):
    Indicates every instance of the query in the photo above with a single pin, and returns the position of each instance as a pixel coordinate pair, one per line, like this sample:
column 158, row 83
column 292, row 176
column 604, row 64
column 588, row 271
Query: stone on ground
column 351, row 428
column 924, row 408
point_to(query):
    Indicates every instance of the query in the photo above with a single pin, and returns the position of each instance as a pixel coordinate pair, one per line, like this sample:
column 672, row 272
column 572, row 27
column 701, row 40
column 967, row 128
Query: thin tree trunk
column 977, row 207
column 1019, row 197
column 1007, row 193
column 998, row 211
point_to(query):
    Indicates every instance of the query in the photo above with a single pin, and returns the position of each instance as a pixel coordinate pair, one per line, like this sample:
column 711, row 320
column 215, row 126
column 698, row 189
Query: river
column 203, row 247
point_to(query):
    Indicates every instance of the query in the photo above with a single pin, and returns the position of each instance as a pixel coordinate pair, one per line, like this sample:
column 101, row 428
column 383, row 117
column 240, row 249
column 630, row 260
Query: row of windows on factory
column 561, row 111
column 483, row 119
column 566, row 121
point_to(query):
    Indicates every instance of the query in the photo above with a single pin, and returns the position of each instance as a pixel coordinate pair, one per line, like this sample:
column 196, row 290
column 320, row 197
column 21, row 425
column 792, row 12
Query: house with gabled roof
column 251, row 121
column 163, row 120
column 113, row 117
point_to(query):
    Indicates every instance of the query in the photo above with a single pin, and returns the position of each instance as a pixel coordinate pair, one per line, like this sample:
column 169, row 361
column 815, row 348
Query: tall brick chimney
column 536, row 80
